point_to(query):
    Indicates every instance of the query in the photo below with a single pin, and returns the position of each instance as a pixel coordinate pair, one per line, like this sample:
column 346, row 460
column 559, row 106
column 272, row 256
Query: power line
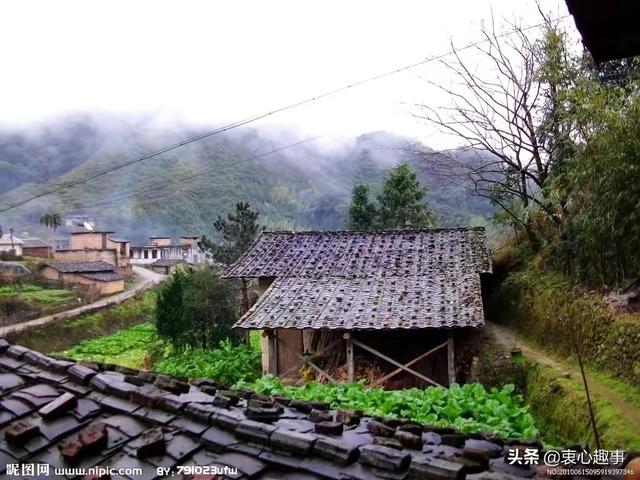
column 261, row 116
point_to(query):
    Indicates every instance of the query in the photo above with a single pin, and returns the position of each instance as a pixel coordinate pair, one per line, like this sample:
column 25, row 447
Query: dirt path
column 509, row 339
column 147, row 278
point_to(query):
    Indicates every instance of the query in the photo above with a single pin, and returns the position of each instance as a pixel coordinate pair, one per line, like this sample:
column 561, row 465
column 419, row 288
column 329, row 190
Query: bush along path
column 149, row 279
column 622, row 410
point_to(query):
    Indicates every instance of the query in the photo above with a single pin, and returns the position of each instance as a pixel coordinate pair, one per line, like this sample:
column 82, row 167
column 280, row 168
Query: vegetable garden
column 468, row 408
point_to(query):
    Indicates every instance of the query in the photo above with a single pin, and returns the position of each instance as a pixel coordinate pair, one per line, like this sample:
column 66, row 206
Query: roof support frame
column 308, row 360
column 408, row 364
column 394, row 362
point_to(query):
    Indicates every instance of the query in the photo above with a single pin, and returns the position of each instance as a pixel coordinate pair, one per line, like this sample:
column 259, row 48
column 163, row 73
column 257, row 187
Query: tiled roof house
column 409, row 285
column 100, row 274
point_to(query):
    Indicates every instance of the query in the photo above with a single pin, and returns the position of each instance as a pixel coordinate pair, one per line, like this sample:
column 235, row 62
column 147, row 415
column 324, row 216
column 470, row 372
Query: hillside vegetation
column 304, row 187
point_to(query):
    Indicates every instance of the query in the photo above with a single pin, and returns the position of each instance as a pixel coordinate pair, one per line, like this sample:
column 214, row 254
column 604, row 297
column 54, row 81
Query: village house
column 402, row 298
column 100, row 275
column 9, row 243
column 163, row 248
column 167, row 266
column 36, row 247
column 93, row 245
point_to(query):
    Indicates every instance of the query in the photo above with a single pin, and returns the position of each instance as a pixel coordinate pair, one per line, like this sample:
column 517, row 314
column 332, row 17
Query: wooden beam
column 451, row 364
column 305, row 360
column 273, row 353
column 417, row 359
column 350, row 366
column 397, row 364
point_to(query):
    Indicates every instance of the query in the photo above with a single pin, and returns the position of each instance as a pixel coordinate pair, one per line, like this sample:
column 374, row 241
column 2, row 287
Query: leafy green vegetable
column 469, row 408
column 126, row 347
column 227, row 363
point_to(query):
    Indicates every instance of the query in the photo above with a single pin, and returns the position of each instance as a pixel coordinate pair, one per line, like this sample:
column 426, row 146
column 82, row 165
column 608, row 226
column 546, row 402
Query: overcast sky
column 210, row 62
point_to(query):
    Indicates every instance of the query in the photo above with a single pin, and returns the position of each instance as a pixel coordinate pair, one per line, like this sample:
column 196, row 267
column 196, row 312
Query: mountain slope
column 185, row 190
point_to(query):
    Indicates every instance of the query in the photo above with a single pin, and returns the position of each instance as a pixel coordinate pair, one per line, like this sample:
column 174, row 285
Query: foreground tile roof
column 399, row 279
column 82, row 267
column 60, row 413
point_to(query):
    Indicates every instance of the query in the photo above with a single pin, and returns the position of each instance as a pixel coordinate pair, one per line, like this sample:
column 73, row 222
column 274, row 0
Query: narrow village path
column 147, row 279
column 509, row 339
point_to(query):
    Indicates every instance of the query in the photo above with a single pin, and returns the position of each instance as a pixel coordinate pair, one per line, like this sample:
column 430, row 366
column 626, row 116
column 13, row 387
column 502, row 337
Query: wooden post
column 451, row 364
column 273, row 352
column 245, row 309
column 350, row 366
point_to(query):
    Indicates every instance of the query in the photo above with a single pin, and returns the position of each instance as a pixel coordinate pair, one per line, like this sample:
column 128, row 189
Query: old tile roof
column 357, row 254
column 381, row 302
column 82, row 267
column 399, row 279
column 104, row 276
column 63, row 414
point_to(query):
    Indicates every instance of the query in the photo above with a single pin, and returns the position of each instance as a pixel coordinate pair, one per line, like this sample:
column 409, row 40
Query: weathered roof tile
column 404, row 279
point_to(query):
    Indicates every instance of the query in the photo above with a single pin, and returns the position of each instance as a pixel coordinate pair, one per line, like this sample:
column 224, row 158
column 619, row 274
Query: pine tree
column 362, row 212
column 401, row 202
column 238, row 231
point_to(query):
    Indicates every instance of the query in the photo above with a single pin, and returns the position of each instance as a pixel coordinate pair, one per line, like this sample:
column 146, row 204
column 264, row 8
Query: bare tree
column 497, row 118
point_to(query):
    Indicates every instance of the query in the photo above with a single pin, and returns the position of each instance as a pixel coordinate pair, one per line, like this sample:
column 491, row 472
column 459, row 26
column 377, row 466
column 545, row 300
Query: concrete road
column 147, row 279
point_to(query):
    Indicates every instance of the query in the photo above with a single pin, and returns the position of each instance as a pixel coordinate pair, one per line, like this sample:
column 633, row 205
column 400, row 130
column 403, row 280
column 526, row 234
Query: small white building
column 163, row 248
column 11, row 243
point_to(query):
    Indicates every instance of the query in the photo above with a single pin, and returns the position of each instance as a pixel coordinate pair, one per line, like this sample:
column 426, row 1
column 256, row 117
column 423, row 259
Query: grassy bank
column 62, row 335
column 552, row 315
column 559, row 406
column 547, row 310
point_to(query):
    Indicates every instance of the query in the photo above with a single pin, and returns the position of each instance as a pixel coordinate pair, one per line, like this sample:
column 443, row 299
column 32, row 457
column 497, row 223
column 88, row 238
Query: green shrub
column 6, row 290
column 469, row 408
column 196, row 308
column 227, row 363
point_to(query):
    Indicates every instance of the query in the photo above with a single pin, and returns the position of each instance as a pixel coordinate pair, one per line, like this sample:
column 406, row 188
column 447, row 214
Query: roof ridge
column 373, row 232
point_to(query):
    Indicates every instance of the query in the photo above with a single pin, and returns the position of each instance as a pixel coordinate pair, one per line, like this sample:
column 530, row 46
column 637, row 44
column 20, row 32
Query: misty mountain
column 183, row 191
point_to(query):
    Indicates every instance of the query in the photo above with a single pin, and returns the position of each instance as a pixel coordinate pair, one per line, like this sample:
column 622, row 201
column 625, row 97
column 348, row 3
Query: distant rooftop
column 77, row 231
column 82, row 267
column 5, row 239
column 104, row 276
column 119, row 240
column 34, row 242
column 167, row 262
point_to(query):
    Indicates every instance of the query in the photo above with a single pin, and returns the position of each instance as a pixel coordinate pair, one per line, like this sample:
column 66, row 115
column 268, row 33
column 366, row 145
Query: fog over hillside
column 305, row 186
